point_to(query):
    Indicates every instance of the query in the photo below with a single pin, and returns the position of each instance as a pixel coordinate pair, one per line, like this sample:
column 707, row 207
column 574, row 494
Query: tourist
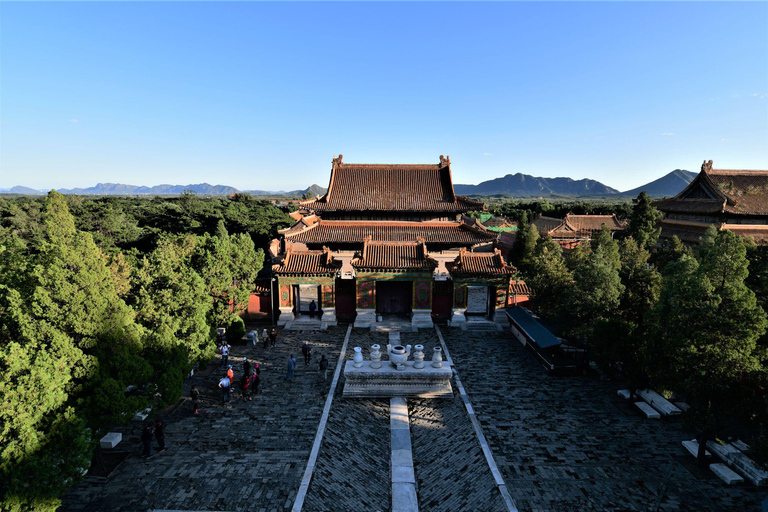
column 324, row 367
column 265, row 337
column 146, row 440
column 195, row 395
column 273, row 337
column 246, row 367
column 306, row 350
column 230, row 374
column 224, row 348
column 245, row 380
column 224, row 385
column 255, row 381
column 291, row 367
column 160, row 434
column 312, row 309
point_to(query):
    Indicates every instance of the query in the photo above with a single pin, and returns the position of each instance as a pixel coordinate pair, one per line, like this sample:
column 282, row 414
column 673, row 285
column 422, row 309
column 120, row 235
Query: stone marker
column 623, row 393
column 649, row 411
column 726, row 474
column 111, row 440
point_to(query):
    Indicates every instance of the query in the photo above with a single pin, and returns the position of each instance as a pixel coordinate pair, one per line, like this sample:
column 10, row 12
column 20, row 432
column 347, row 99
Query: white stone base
column 286, row 315
column 142, row 415
column 725, row 474
column 365, row 318
column 623, row 393
column 458, row 319
column 428, row 382
column 329, row 317
column 649, row 411
column 693, row 448
column 422, row 318
column 111, row 440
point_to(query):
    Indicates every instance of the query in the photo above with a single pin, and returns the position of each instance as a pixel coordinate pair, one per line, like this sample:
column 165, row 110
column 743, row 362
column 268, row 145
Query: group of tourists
column 158, row 432
column 248, row 383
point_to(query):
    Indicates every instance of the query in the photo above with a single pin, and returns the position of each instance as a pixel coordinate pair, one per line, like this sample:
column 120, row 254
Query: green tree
column 604, row 239
column 670, row 251
column 525, row 243
column 642, row 282
column 644, row 221
column 596, row 292
column 549, row 277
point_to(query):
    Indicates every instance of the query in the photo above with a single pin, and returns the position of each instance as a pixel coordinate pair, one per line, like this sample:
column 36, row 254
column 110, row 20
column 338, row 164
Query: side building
column 390, row 241
column 736, row 200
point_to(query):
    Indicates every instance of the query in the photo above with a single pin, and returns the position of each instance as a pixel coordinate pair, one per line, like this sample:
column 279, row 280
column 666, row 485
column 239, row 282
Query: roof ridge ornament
column 706, row 166
column 338, row 160
column 445, row 161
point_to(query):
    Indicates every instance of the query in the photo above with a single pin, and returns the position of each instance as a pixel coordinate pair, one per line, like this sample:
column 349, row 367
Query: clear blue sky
column 263, row 95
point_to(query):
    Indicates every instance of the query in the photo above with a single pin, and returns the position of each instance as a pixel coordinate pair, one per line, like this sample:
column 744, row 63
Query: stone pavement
column 246, row 456
column 569, row 443
column 561, row 443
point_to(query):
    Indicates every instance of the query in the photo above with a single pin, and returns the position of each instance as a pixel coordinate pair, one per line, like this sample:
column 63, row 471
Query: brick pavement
column 249, row 456
column 569, row 443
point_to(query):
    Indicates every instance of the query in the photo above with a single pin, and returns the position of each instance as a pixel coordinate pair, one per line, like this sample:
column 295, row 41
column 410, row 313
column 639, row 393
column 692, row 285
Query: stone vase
column 437, row 358
column 418, row 357
column 375, row 356
column 358, row 359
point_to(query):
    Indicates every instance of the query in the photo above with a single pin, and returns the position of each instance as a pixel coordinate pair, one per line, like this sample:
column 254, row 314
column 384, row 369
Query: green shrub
column 236, row 330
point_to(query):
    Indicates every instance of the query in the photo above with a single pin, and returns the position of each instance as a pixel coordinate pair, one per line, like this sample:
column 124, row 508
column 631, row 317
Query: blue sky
column 263, row 95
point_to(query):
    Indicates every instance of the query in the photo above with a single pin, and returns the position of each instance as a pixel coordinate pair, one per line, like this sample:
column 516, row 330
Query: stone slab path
column 569, row 443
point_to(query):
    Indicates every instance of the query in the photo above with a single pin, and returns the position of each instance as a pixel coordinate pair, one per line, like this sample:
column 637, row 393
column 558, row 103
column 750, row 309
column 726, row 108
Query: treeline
column 685, row 320
column 526, row 209
column 105, row 305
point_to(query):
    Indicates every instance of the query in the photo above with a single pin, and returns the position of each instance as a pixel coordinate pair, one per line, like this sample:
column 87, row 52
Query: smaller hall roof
column 307, row 263
column 480, row 264
column 344, row 231
column 378, row 255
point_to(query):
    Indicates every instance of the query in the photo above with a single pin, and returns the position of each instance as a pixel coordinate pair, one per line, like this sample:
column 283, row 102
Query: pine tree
column 549, row 277
column 644, row 221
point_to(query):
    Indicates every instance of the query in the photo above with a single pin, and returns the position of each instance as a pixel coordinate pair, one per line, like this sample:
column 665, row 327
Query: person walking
column 273, row 337
column 246, row 367
column 245, row 381
column 291, row 367
column 160, row 434
column 324, row 367
column 255, row 381
column 265, row 338
column 312, row 309
column 306, row 351
column 230, row 374
column 224, row 385
column 146, row 441
column 224, row 353
column 195, row 395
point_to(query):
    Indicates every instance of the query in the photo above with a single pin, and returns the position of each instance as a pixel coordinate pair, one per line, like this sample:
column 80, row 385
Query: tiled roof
column 519, row 288
column 546, row 224
column 391, row 187
column 721, row 191
column 307, row 263
column 341, row 231
column 480, row 263
column 593, row 222
column 394, row 256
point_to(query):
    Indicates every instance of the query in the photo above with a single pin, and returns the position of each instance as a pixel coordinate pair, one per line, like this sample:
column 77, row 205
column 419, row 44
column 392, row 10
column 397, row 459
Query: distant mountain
column 312, row 190
column 526, row 185
column 118, row 189
column 668, row 185
column 26, row 191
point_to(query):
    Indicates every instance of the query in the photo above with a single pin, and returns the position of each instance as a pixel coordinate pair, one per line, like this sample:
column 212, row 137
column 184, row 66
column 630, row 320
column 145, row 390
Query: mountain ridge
column 520, row 184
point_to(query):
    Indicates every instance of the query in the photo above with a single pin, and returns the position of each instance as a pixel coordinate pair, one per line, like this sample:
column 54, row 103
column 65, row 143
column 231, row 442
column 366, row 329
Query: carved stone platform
column 387, row 382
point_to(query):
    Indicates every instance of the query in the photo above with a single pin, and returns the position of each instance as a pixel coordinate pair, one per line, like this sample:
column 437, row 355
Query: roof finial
column 445, row 161
column 706, row 166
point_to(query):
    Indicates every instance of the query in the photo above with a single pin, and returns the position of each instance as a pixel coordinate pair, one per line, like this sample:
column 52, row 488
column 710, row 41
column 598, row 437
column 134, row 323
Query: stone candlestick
column 358, row 359
column 437, row 358
column 418, row 357
column 375, row 356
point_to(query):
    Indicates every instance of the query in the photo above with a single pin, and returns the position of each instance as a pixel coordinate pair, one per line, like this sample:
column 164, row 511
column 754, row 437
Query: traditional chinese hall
column 390, row 241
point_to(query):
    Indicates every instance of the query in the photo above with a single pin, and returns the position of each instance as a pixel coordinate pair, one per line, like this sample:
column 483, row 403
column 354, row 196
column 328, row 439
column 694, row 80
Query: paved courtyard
column 561, row 443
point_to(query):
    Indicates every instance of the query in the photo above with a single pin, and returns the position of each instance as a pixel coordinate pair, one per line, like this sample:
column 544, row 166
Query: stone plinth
column 329, row 317
column 422, row 318
column 387, row 382
column 365, row 318
column 458, row 318
column 111, row 440
column 286, row 315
